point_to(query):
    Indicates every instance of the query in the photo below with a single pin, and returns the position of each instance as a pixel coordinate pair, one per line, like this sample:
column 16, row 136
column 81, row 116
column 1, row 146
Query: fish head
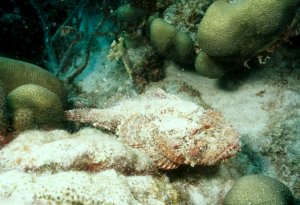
column 213, row 142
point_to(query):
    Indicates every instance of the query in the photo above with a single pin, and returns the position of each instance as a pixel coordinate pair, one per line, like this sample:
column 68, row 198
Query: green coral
column 35, row 98
column 259, row 189
column 33, row 106
column 169, row 42
column 234, row 31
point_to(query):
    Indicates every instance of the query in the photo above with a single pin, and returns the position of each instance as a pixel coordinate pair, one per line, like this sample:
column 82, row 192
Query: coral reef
column 170, row 130
column 234, row 31
column 36, row 98
column 153, row 148
column 259, row 189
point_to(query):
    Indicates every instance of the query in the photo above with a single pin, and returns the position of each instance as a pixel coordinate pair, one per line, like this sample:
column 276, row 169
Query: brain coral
column 235, row 31
column 36, row 98
column 243, row 28
column 259, row 189
column 33, row 106
column 15, row 73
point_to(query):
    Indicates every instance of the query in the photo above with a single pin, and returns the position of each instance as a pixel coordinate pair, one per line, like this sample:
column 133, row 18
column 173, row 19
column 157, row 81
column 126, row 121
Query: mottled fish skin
column 170, row 130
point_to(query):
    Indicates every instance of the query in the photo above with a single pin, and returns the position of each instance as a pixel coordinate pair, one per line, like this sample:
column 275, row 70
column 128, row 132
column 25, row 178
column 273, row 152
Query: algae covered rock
column 259, row 190
column 169, row 42
column 234, row 31
column 32, row 106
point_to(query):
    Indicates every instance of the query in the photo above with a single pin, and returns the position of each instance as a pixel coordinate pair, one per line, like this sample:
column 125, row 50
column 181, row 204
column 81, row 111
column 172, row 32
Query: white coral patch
column 34, row 150
column 75, row 187
column 66, row 187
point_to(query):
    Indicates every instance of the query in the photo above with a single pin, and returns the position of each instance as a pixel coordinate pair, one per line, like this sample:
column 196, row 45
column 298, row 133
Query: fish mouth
column 229, row 151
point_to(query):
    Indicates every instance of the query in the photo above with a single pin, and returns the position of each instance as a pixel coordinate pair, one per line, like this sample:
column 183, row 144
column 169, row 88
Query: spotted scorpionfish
column 172, row 131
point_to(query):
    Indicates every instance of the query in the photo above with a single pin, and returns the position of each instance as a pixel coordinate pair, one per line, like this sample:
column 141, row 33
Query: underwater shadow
column 234, row 79
column 248, row 161
column 193, row 173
